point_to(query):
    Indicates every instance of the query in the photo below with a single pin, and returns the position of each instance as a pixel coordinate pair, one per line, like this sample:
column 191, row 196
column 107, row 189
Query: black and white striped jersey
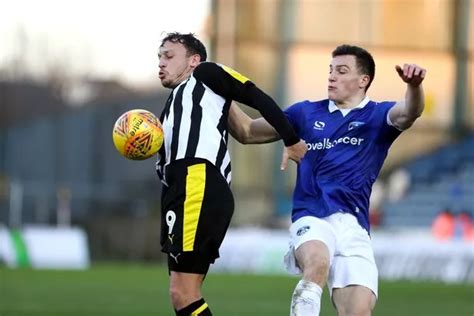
column 195, row 117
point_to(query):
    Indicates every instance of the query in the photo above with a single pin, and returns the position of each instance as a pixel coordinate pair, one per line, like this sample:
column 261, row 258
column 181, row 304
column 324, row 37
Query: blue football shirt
column 346, row 150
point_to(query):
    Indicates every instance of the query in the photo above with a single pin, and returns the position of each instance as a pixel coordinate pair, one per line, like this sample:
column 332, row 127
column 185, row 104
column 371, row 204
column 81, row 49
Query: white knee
column 306, row 299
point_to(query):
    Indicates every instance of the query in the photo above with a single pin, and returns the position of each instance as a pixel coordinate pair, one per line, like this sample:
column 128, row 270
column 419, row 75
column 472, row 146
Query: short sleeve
column 294, row 114
column 388, row 131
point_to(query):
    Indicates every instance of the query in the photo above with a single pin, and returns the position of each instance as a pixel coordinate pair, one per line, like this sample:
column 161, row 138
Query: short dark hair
column 364, row 61
column 192, row 44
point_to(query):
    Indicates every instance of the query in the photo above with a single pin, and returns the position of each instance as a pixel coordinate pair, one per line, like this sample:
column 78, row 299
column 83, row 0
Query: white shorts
column 350, row 249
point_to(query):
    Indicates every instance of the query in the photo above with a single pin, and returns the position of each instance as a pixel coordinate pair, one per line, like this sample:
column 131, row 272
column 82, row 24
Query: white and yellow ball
column 137, row 134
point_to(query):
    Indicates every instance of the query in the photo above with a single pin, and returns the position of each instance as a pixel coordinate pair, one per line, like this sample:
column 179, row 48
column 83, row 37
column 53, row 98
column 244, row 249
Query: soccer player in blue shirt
column 348, row 137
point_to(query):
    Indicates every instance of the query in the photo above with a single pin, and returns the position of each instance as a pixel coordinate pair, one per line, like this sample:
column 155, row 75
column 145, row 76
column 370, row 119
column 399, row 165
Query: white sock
column 306, row 300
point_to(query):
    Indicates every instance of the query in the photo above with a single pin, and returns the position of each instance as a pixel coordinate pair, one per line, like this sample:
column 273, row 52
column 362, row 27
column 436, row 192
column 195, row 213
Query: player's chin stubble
column 167, row 84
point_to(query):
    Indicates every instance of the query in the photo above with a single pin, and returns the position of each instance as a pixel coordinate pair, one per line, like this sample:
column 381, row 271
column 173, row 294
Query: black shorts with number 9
column 196, row 209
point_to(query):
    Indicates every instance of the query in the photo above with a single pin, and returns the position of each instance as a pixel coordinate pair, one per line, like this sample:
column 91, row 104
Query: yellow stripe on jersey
column 200, row 309
column 235, row 74
column 195, row 185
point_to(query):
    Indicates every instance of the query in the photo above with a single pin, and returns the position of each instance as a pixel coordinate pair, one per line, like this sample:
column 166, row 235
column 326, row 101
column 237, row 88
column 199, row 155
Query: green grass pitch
column 126, row 290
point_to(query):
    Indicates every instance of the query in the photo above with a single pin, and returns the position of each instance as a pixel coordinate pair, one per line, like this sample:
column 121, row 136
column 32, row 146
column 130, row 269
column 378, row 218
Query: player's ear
column 364, row 81
column 195, row 60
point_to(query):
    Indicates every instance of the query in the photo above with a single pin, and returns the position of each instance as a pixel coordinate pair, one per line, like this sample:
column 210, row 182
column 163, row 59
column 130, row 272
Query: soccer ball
column 137, row 134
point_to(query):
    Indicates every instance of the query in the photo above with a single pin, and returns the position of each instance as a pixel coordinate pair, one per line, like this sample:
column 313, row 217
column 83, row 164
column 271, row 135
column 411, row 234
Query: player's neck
column 351, row 102
column 183, row 76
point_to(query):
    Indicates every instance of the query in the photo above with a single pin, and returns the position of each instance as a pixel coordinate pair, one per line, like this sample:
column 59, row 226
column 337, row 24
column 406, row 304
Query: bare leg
column 313, row 259
column 354, row 300
column 185, row 288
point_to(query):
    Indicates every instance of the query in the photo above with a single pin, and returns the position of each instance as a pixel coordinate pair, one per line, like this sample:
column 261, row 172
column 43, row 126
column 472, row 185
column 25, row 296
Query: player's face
column 175, row 64
column 345, row 81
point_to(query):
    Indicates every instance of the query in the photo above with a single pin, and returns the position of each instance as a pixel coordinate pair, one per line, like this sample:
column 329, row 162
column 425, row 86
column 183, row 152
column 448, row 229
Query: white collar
column 333, row 107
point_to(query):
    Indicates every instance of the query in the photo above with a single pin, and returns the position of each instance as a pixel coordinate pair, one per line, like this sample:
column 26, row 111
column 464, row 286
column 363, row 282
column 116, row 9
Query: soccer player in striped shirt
column 194, row 163
column 348, row 137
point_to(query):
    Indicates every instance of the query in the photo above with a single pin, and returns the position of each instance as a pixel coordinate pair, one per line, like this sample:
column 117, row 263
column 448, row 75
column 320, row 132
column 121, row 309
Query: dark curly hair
column 192, row 44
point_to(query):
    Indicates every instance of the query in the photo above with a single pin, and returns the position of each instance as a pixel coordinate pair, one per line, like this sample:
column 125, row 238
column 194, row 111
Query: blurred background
column 69, row 69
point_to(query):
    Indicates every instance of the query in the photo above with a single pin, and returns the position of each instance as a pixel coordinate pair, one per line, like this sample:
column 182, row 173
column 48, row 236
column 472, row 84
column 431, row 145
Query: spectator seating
column 440, row 180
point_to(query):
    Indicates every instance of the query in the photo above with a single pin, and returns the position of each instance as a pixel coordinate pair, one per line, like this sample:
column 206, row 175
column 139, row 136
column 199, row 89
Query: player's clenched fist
column 412, row 74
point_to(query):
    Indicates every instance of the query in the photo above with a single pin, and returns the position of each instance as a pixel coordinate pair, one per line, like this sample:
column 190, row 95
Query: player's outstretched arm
column 403, row 114
column 250, row 131
column 258, row 131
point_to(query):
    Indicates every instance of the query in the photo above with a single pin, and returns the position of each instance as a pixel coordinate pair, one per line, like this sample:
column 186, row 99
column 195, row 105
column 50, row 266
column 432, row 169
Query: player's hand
column 295, row 152
column 411, row 74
